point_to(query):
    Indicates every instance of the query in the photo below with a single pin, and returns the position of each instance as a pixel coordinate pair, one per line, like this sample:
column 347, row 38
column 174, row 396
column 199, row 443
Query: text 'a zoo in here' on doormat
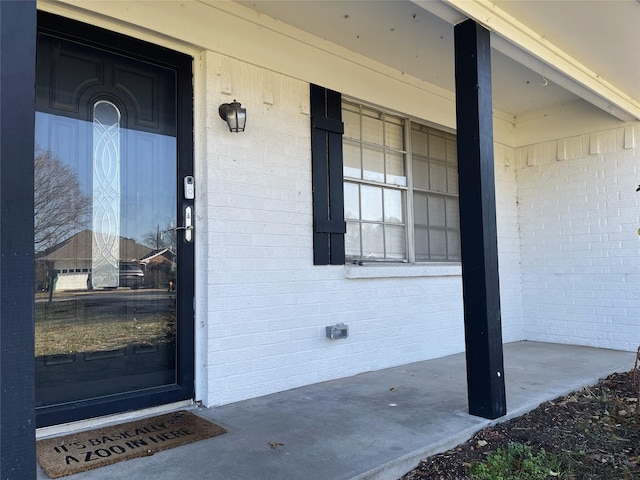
column 78, row 452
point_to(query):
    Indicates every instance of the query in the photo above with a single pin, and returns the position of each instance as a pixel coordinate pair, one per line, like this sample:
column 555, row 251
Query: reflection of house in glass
column 71, row 261
column 160, row 269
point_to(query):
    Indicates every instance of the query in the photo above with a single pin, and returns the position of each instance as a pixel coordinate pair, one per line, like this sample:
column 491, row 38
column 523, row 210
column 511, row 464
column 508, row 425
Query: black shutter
column 328, row 193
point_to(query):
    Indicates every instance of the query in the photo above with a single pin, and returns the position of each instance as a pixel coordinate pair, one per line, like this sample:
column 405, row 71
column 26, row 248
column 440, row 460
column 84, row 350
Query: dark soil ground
column 594, row 432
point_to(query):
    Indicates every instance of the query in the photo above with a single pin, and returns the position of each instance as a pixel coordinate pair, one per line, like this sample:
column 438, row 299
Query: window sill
column 399, row 270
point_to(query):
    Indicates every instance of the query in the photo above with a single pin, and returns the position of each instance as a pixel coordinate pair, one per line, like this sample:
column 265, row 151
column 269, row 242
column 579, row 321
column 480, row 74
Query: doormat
column 78, row 452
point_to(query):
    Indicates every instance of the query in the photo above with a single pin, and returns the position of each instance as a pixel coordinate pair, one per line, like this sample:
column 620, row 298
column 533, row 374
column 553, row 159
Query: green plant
column 517, row 462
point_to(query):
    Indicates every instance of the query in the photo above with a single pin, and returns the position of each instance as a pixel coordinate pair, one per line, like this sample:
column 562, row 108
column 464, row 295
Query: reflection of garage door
column 71, row 281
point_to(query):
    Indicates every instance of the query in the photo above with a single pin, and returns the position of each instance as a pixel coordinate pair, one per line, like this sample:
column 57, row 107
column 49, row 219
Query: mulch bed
column 595, row 432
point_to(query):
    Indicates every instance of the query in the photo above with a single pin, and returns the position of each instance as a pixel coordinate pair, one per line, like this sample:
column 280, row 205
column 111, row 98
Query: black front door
column 114, row 263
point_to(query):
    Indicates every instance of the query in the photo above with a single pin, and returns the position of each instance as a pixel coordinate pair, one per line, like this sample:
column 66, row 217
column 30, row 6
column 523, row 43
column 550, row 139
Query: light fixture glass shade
column 235, row 116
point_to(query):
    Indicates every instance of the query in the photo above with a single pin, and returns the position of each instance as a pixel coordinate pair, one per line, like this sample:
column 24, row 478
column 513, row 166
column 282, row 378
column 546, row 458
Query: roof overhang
column 519, row 42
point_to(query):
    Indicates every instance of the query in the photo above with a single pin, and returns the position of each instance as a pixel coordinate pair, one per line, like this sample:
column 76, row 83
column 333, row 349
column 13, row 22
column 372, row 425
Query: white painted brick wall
column 580, row 251
column 508, row 243
column 262, row 306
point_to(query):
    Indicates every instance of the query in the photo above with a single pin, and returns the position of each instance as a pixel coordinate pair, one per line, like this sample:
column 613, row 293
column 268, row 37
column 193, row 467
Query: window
column 400, row 188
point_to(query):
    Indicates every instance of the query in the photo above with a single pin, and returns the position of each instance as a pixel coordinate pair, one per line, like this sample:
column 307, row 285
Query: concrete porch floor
column 376, row 425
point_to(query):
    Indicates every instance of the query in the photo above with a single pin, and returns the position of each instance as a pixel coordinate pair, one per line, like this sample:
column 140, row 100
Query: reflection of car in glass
column 130, row 273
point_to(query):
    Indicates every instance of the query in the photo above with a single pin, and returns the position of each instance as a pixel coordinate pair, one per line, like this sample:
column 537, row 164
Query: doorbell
column 189, row 188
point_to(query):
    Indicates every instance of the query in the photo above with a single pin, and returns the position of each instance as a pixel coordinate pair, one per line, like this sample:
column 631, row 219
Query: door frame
column 182, row 64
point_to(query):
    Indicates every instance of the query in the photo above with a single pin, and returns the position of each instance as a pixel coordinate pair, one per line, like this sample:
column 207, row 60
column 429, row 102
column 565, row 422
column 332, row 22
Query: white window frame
column 406, row 190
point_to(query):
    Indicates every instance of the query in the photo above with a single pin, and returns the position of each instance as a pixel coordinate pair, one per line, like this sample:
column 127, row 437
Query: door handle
column 188, row 225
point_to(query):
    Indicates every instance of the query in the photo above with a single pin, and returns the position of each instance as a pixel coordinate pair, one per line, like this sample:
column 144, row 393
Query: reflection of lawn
column 64, row 328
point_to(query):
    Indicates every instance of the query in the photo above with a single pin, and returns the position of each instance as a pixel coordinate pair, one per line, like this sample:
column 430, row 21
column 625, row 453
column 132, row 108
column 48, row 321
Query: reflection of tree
column 160, row 239
column 60, row 207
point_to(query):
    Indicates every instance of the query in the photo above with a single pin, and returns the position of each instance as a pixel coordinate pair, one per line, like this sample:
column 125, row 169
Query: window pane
column 393, row 211
column 372, row 131
column 436, row 211
column 394, row 134
column 351, row 160
column 420, row 208
column 395, row 242
column 372, row 241
column 453, row 241
column 422, row 244
column 373, row 163
column 452, row 180
column 351, row 119
column 453, row 216
column 352, row 240
column 436, row 146
column 351, row 201
column 395, row 169
column 438, row 175
column 452, row 151
column 419, row 144
column 371, row 203
column 438, row 244
column 420, row 172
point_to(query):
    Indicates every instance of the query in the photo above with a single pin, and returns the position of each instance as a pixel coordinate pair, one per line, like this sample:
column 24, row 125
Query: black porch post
column 17, row 110
column 483, row 331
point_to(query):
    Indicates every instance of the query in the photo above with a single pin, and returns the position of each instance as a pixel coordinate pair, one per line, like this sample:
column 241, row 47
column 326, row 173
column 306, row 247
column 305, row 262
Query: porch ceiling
column 545, row 53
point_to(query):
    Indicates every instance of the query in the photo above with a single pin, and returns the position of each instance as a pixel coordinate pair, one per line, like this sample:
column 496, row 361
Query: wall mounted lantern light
column 234, row 115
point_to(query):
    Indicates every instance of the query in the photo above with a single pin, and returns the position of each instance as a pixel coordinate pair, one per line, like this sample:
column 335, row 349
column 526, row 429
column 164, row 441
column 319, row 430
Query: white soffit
column 414, row 41
column 532, row 49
